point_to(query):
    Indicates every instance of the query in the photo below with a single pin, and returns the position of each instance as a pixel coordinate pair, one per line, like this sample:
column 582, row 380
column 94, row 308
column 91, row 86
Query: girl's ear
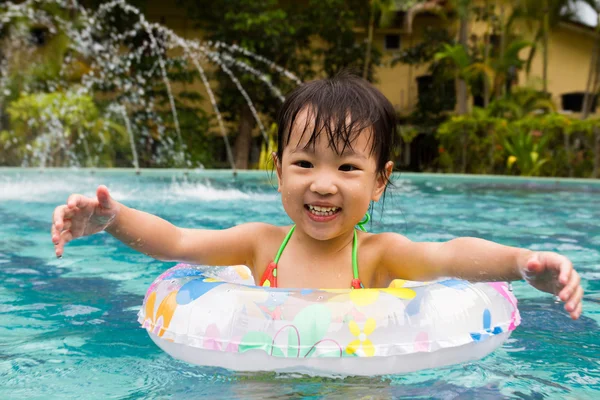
column 277, row 163
column 382, row 181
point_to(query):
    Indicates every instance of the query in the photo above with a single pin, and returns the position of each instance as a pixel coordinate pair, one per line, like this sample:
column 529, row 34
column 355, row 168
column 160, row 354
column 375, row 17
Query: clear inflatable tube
column 215, row 316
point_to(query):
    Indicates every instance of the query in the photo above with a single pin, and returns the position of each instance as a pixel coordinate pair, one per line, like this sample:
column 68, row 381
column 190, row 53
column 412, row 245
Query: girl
column 334, row 145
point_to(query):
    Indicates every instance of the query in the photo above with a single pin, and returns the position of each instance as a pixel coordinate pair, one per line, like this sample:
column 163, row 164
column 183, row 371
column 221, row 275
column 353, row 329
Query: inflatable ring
column 215, row 316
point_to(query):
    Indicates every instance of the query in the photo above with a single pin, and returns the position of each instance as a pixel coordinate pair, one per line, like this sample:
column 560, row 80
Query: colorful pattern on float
column 220, row 309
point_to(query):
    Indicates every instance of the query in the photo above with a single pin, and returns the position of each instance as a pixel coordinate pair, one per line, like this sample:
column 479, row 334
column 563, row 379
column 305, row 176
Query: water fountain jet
column 98, row 42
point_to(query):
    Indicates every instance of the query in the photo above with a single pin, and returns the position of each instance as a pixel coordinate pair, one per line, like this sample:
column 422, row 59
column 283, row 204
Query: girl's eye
column 348, row 168
column 303, row 164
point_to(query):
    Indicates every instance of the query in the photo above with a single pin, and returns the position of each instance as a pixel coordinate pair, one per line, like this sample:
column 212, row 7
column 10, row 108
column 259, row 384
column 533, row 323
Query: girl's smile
column 322, row 212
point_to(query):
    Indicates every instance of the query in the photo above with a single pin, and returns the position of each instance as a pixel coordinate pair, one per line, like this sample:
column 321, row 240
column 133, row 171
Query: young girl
column 335, row 140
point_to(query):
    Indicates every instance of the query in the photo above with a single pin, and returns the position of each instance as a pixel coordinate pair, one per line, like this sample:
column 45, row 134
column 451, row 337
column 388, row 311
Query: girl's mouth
column 320, row 213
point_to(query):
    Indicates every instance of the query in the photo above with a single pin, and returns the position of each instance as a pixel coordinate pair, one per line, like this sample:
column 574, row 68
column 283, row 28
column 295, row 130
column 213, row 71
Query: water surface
column 68, row 327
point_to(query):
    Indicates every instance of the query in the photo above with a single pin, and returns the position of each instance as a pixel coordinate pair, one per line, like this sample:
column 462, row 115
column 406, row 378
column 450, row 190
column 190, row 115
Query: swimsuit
column 269, row 278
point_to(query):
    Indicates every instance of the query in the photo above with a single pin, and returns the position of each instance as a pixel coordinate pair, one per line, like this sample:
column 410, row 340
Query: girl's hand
column 553, row 273
column 82, row 216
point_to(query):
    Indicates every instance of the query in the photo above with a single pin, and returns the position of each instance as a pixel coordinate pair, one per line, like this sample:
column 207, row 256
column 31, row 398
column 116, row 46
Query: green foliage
column 511, row 140
column 520, row 131
column 474, row 138
column 469, row 65
column 62, row 128
column 524, row 152
column 333, row 23
column 520, row 103
column 583, row 126
column 407, row 133
column 275, row 31
column 424, row 51
column 59, row 64
column 582, row 134
column 457, row 55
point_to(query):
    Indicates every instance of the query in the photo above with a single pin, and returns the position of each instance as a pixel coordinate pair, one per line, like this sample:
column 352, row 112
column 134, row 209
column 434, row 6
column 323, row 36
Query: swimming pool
column 69, row 328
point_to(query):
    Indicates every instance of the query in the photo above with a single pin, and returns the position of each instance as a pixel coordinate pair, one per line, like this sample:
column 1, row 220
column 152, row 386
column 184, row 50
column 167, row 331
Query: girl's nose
column 323, row 184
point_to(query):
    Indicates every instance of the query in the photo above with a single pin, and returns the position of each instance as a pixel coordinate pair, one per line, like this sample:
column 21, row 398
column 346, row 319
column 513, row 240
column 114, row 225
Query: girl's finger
column 577, row 313
column 565, row 271
column 69, row 212
column 58, row 216
column 568, row 290
column 75, row 200
column 65, row 237
column 574, row 300
column 54, row 234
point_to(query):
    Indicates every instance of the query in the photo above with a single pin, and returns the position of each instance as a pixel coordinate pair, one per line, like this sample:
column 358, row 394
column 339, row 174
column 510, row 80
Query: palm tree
column 463, row 9
column 544, row 19
column 594, row 72
column 592, row 88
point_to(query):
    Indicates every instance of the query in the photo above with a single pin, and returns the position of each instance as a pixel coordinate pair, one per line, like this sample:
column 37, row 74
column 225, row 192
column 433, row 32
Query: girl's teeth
column 322, row 211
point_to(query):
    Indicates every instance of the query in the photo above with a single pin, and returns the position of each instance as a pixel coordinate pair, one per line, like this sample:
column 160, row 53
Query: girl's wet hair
column 342, row 108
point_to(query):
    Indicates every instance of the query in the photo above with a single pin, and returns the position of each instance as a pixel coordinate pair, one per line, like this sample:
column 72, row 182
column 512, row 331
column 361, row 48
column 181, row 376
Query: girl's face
column 324, row 193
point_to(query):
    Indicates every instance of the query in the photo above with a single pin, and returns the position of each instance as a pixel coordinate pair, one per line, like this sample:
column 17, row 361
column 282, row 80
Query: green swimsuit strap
column 361, row 226
column 283, row 244
column 354, row 246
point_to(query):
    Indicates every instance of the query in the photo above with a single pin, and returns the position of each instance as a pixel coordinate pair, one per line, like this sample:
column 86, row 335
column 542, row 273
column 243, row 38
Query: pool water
column 68, row 328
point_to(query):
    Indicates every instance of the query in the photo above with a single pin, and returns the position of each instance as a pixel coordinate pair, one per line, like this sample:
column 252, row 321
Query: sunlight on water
column 68, row 327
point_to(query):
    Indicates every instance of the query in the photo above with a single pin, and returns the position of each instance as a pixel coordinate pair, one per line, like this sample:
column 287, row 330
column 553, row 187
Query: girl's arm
column 481, row 260
column 149, row 234
column 162, row 240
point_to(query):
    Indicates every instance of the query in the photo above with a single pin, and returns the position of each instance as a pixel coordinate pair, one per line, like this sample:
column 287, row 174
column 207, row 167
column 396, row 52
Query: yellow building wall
column 569, row 55
column 398, row 83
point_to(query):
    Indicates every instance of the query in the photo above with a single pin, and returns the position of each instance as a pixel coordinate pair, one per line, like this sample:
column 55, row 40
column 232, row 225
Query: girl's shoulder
column 377, row 245
column 383, row 239
column 263, row 231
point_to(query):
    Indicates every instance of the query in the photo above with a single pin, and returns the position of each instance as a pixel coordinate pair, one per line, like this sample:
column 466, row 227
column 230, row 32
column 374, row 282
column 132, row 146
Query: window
column 38, row 35
column 392, row 42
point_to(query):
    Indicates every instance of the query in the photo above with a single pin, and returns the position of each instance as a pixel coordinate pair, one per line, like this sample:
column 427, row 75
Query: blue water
column 68, row 327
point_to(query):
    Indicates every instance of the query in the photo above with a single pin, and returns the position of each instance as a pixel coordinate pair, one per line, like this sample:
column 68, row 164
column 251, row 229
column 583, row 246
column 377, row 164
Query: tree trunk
column 492, row 150
column 486, row 83
column 567, row 144
column 546, row 34
column 369, row 43
column 596, row 173
column 461, row 85
column 500, row 90
column 486, row 57
column 463, row 163
column 592, row 74
column 461, row 95
column 410, row 77
column 244, row 138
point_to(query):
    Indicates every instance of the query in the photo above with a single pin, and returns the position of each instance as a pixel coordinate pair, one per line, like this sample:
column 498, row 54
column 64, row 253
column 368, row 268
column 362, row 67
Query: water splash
column 110, row 58
column 123, row 112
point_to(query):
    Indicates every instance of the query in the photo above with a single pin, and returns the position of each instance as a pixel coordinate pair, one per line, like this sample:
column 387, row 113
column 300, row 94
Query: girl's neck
column 322, row 247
